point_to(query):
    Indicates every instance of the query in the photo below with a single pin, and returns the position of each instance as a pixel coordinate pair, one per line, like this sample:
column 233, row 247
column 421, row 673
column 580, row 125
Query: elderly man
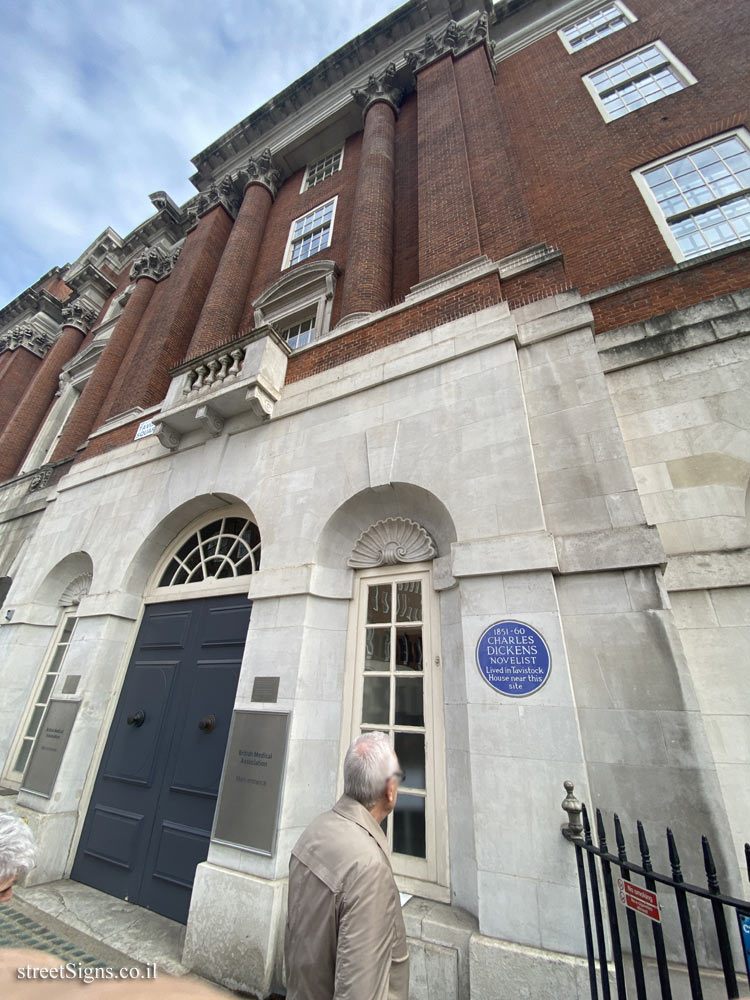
column 17, row 853
column 345, row 937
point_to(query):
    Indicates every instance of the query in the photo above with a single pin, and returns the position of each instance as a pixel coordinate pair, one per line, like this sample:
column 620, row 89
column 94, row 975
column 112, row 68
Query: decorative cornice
column 36, row 341
column 383, row 88
column 153, row 263
column 78, row 314
column 394, row 540
column 456, row 38
column 90, row 276
column 261, row 170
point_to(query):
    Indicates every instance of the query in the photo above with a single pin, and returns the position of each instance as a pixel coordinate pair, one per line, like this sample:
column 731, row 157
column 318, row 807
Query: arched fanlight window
column 222, row 549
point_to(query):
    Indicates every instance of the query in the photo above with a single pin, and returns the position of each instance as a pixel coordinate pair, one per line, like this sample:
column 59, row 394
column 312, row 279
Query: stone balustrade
column 243, row 377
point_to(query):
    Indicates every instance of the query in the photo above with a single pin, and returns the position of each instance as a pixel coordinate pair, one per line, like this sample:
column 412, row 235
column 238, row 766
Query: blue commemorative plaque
column 513, row 658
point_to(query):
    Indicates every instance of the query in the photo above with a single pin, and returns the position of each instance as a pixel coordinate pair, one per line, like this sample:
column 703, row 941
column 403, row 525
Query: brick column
column 502, row 216
column 225, row 304
column 165, row 333
column 146, row 270
column 448, row 231
column 30, row 412
column 22, row 349
column 369, row 265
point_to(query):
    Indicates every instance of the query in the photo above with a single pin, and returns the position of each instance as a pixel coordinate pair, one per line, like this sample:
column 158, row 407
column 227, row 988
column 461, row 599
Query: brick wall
column 575, row 167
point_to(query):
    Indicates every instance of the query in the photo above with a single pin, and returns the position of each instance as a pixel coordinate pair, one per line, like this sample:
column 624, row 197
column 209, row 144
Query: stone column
column 222, row 311
column 147, row 269
column 27, row 417
column 448, row 230
column 369, row 266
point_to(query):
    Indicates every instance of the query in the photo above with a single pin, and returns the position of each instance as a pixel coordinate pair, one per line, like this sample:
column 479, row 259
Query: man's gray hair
column 17, row 847
column 369, row 763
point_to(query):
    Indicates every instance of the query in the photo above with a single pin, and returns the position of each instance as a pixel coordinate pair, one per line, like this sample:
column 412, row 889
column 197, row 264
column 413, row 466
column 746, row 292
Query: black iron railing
column 645, row 899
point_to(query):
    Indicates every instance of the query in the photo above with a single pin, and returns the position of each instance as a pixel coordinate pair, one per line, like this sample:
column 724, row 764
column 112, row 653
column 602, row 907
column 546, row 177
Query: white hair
column 369, row 763
column 17, row 847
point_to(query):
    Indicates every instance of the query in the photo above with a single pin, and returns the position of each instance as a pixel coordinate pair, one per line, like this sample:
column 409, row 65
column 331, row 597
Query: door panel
column 151, row 811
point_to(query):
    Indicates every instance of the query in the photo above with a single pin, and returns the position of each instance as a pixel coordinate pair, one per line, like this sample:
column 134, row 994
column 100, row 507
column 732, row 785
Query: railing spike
column 586, row 824
column 674, row 857
column 600, row 831
column 747, row 860
column 620, row 839
column 708, row 862
column 644, row 848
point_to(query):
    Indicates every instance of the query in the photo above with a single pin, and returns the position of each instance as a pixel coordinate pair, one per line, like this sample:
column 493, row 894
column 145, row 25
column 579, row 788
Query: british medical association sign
column 513, row 658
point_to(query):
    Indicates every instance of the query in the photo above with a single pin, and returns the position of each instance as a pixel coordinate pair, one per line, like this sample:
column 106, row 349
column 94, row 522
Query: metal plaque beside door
column 247, row 814
column 47, row 755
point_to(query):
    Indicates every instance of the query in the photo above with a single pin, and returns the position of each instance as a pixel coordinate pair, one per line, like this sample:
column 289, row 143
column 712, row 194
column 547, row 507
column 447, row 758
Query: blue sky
column 104, row 101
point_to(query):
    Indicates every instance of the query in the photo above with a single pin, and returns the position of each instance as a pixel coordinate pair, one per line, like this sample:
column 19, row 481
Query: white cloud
column 100, row 104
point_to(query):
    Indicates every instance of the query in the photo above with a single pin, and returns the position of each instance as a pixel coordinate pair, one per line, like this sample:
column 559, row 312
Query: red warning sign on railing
column 641, row 900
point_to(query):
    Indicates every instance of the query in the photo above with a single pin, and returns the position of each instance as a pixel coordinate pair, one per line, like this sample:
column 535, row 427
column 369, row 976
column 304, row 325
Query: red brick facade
column 475, row 163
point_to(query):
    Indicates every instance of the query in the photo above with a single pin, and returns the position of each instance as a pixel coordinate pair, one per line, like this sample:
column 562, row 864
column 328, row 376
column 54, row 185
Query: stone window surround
column 671, row 62
column 655, row 209
column 625, row 12
column 428, row 879
column 306, row 184
column 305, row 291
column 286, row 260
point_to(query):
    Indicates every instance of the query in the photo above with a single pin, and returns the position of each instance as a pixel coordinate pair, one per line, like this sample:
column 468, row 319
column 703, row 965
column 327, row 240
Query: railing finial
column 573, row 829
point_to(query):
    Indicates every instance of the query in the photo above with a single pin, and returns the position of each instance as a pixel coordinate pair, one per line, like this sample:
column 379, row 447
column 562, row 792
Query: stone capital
column 153, row 263
column 457, row 37
column 227, row 193
column 36, row 341
column 380, row 88
column 78, row 314
column 261, row 170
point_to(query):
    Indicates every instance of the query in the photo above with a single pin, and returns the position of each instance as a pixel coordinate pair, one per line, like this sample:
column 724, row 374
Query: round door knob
column 207, row 723
column 137, row 719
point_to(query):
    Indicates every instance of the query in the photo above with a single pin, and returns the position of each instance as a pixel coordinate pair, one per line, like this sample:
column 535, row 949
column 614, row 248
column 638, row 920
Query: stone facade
column 549, row 428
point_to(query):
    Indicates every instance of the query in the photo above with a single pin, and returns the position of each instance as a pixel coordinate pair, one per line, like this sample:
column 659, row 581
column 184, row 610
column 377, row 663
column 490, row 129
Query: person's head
column 17, row 853
column 371, row 773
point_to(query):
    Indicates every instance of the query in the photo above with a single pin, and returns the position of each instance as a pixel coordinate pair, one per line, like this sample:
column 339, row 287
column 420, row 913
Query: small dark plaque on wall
column 247, row 814
column 70, row 684
column 50, row 745
column 265, row 689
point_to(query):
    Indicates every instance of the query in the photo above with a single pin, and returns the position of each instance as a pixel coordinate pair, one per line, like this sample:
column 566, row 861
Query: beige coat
column 345, row 937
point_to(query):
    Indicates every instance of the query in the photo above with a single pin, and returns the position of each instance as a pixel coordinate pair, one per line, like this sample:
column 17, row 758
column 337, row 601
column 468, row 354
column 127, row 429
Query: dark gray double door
column 151, row 811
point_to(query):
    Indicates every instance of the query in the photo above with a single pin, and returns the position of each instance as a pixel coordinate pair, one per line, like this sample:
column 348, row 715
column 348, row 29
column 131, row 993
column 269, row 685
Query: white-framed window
column 600, row 22
column 51, row 670
column 700, row 196
column 310, row 233
column 398, row 689
column 223, row 549
column 299, row 334
column 321, row 168
column 637, row 79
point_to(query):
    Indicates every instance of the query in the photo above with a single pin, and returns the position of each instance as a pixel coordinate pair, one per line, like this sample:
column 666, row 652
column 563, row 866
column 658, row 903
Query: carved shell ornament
column 394, row 540
column 76, row 589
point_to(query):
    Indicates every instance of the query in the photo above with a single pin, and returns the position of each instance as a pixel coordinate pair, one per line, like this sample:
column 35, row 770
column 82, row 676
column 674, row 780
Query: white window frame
column 626, row 13
column 13, row 777
column 661, row 220
column 310, row 168
column 679, row 70
column 296, row 323
column 429, row 877
column 290, row 241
